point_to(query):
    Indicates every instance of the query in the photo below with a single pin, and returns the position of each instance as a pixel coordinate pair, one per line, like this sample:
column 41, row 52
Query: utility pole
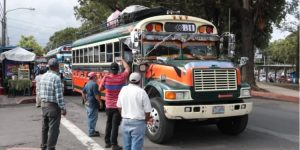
column 297, row 61
column 4, row 24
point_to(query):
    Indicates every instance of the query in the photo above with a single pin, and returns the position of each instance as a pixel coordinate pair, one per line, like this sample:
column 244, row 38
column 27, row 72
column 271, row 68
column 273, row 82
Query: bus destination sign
column 180, row 27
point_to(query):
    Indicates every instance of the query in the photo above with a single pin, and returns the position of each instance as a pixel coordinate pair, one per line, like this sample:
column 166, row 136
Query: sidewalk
column 4, row 100
column 276, row 93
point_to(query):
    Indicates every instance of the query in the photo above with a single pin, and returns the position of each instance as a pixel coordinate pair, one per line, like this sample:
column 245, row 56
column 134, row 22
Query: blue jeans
column 92, row 117
column 133, row 134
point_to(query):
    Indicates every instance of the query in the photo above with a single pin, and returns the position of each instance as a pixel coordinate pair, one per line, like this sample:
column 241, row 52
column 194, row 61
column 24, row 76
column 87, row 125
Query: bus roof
column 125, row 30
column 57, row 50
column 106, row 35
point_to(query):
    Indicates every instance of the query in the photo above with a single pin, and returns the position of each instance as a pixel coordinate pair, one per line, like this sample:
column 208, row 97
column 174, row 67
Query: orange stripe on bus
column 156, row 70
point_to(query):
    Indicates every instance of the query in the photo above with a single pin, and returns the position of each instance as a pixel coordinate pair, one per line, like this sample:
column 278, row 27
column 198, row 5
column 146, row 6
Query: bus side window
column 109, row 52
column 85, row 53
column 91, row 54
column 117, row 50
column 96, row 54
column 127, row 53
column 102, row 53
column 81, row 56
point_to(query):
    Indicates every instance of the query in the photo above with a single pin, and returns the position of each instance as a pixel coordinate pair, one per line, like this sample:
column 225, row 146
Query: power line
column 17, row 27
column 55, row 28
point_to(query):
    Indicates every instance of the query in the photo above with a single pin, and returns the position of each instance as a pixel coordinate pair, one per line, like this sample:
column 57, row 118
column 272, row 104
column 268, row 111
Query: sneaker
column 116, row 147
column 95, row 134
column 107, row 145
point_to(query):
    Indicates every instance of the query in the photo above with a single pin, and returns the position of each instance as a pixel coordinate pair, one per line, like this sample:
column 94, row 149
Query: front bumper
column 206, row 111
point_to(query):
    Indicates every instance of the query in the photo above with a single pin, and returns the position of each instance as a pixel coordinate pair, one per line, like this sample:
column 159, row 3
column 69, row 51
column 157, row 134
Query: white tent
column 17, row 54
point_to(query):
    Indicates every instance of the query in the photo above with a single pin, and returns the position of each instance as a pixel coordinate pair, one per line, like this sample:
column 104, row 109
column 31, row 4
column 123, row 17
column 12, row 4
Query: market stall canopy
column 17, row 54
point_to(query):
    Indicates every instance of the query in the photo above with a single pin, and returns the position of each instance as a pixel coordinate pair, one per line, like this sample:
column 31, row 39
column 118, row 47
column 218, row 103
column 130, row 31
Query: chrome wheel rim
column 154, row 127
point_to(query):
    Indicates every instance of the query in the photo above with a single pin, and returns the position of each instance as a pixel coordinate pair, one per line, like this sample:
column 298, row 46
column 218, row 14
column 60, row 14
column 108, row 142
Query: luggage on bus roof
column 141, row 14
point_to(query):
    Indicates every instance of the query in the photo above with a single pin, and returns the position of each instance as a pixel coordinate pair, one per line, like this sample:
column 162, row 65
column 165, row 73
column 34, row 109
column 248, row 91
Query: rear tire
column 162, row 129
column 233, row 125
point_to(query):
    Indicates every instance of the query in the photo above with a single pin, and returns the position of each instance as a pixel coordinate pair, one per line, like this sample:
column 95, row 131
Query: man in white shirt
column 135, row 107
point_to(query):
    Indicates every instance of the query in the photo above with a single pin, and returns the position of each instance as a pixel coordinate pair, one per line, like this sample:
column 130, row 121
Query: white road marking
column 289, row 137
column 80, row 135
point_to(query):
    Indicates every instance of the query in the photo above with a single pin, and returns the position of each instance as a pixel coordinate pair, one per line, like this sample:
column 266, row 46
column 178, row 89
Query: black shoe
column 116, row 147
column 107, row 145
column 95, row 134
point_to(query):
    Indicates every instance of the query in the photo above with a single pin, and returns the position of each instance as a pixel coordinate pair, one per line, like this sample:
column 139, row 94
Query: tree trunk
column 247, row 42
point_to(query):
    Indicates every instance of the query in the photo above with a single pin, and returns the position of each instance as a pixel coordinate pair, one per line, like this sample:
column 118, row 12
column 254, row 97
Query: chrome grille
column 214, row 79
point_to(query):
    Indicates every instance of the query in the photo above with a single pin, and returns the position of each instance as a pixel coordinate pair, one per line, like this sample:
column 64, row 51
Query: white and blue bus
column 64, row 56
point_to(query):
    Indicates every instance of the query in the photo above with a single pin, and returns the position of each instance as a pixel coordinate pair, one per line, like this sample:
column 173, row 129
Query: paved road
column 273, row 125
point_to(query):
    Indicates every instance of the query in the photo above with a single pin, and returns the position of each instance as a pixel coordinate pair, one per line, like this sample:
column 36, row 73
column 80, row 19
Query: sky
column 48, row 17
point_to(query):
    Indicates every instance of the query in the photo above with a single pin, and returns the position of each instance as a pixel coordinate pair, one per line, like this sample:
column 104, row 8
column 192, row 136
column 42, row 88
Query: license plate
column 218, row 110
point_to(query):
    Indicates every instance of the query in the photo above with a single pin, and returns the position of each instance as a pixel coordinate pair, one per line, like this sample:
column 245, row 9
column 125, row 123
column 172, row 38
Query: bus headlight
column 177, row 95
column 245, row 92
column 143, row 67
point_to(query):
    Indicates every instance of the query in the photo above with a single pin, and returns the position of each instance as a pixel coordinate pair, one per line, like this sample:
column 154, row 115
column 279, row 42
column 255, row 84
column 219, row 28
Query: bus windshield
column 179, row 50
column 199, row 50
column 169, row 49
column 64, row 58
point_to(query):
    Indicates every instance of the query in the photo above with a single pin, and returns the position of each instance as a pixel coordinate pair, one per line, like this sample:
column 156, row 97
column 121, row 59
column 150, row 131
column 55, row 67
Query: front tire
column 162, row 128
column 233, row 125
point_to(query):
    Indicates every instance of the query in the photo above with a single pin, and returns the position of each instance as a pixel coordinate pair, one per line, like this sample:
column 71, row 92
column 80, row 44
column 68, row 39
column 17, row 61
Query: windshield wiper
column 157, row 44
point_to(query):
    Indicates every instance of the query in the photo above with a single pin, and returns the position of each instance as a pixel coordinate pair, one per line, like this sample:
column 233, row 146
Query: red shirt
column 113, row 85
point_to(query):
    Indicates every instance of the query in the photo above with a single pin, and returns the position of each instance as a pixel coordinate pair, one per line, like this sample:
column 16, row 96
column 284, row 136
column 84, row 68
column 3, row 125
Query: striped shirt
column 50, row 89
column 113, row 85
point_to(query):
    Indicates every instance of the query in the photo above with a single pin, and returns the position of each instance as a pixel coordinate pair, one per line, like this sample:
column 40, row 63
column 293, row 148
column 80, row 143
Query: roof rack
column 126, row 19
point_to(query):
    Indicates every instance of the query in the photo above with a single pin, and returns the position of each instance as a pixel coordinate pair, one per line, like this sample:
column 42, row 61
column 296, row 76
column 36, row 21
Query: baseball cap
column 114, row 66
column 52, row 62
column 134, row 77
column 92, row 74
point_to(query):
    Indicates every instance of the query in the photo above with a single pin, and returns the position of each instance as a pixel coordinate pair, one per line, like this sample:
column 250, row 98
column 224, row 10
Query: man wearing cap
column 90, row 95
column 135, row 108
column 53, row 105
column 113, row 84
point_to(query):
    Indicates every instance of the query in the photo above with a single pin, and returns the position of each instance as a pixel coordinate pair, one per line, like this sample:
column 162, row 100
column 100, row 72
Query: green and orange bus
column 186, row 70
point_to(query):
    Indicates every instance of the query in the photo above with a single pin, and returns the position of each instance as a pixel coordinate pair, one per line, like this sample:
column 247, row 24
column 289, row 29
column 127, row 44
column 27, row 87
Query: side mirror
column 243, row 61
column 227, row 44
column 134, row 38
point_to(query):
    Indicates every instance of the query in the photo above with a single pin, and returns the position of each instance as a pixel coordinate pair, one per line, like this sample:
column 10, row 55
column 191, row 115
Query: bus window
column 166, row 49
column 77, row 56
column 199, row 50
column 127, row 53
column 73, row 56
column 96, row 54
column 90, row 55
column 109, row 54
column 85, row 53
column 102, row 53
column 81, row 56
column 116, row 49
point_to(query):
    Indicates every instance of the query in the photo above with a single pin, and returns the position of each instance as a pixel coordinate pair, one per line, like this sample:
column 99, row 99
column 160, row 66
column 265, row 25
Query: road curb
column 275, row 96
column 26, row 100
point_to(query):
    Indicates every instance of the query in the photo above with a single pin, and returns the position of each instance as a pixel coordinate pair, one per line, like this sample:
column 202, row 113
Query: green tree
column 30, row 42
column 65, row 36
column 284, row 51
